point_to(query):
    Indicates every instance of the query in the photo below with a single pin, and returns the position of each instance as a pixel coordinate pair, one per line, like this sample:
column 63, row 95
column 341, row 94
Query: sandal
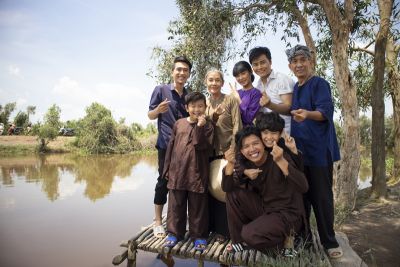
column 220, row 238
column 235, row 247
column 171, row 241
column 335, row 253
column 289, row 252
column 158, row 231
column 200, row 244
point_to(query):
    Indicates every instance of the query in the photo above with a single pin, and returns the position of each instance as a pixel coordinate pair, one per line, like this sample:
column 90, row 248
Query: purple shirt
column 316, row 139
column 176, row 111
column 250, row 105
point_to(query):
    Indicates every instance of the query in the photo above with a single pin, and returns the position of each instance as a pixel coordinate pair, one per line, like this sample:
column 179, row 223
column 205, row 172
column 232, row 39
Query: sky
column 76, row 52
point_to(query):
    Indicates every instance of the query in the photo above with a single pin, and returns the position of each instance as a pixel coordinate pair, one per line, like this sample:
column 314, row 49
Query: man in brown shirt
column 186, row 168
column 263, row 210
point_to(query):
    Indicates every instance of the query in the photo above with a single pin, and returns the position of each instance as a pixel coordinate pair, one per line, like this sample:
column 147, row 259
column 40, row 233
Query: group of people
column 278, row 140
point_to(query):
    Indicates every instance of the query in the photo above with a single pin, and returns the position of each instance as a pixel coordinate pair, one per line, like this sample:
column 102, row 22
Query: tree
column 256, row 15
column 378, row 105
column 6, row 111
column 202, row 34
column 99, row 132
column 21, row 119
column 30, row 110
column 49, row 130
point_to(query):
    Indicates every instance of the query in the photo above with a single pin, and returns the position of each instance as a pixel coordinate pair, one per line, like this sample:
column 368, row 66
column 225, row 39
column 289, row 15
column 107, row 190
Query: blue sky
column 75, row 52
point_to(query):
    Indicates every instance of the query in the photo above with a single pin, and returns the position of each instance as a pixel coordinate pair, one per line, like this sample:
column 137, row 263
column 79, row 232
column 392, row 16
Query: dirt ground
column 373, row 229
column 58, row 144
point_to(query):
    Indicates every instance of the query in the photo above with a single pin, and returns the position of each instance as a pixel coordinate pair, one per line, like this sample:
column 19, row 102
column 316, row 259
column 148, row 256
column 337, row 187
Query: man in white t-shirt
column 276, row 87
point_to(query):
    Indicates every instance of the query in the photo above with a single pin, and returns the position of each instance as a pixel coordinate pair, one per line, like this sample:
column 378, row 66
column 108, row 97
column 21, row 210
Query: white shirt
column 277, row 84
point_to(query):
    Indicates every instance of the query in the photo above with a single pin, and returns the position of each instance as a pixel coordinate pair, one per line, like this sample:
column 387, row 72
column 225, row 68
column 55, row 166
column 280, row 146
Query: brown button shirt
column 186, row 162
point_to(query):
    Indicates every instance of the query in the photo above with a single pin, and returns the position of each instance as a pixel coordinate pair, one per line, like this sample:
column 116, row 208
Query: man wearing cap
column 167, row 105
column 276, row 87
column 313, row 129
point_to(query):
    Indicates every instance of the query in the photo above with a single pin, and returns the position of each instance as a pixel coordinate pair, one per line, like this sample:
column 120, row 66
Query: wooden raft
column 214, row 252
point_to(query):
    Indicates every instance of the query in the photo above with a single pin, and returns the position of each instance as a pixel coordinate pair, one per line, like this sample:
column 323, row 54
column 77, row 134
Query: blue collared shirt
column 316, row 139
column 176, row 111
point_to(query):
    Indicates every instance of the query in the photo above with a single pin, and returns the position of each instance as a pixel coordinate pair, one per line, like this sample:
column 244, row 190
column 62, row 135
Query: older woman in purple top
column 249, row 96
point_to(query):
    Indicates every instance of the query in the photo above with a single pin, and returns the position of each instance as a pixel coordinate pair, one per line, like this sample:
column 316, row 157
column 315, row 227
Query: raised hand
column 230, row 157
column 201, row 121
column 265, row 100
column 289, row 142
column 277, row 155
column 277, row 152
column 252, row 173
column 234, row 92
column 163, row 106
column 299, row 115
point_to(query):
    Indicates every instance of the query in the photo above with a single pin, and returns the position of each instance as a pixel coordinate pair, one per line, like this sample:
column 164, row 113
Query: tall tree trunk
column 347, row 169
column 378, row 105
column 392, row 52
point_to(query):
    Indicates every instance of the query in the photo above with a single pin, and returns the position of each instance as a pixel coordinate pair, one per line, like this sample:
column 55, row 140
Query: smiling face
column 269, row 137
column 262, row 66
column 196, row 109
column 180, row 73
column 301, row 67
column 214, row 82
column 253, row 149
column 244, row 79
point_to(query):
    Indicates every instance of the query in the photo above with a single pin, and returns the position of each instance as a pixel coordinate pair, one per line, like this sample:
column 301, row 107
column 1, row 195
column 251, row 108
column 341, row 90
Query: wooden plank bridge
column 215, row 252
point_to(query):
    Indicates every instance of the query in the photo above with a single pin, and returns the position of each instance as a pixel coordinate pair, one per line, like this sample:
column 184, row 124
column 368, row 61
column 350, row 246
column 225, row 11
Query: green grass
column 17, row 150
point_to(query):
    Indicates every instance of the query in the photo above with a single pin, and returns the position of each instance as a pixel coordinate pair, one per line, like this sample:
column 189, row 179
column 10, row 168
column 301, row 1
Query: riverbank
column 24, row 144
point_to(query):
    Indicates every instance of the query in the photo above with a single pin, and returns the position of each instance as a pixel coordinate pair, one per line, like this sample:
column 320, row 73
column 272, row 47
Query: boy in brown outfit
column 187, row 170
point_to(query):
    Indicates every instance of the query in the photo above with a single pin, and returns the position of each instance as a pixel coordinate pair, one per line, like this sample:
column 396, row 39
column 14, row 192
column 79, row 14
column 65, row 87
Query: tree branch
column 240, row 11
column 360, row 49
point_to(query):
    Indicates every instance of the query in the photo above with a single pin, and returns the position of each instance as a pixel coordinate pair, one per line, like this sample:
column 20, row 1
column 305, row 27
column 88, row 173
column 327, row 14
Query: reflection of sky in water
column 70, row 229
column 135, row 181
column 67, row 186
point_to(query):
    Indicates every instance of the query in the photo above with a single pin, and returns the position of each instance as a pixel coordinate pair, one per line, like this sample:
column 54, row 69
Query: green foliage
column 100, row 133
column 365, row 131
column 21, row 119
column 339, row 132
column 49, row 130
column 201, row 33
column 5, row 112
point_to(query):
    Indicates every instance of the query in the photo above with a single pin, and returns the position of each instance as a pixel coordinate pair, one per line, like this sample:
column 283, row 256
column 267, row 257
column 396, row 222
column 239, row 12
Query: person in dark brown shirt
column 262, row 210
column 186, row 168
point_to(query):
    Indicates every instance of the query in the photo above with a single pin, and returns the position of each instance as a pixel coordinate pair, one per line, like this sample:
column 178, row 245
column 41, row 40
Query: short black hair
column 182, row 59
column 270, row 121
column 194, row 96
column 242, row 66
column 245, row 132
column 258, row 51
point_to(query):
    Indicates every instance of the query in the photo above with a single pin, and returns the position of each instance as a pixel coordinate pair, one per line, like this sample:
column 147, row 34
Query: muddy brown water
column 64, row 210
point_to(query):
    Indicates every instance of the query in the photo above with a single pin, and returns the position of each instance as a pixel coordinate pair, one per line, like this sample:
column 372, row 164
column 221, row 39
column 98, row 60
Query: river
column 67, row 210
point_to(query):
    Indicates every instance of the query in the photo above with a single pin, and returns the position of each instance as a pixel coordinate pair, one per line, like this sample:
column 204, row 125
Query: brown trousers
column 197, row 206
column 249, row 223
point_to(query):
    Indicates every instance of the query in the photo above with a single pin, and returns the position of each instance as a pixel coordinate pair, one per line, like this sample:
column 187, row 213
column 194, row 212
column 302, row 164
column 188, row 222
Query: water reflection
column 98, row 173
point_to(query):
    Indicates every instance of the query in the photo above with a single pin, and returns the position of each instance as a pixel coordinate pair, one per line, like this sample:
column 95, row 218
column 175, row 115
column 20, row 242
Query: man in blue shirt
column 313, row 128
column 167, row 104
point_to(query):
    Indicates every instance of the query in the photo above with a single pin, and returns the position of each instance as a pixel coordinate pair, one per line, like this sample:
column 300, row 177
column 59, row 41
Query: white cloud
column 14, row 70
column 123, row 100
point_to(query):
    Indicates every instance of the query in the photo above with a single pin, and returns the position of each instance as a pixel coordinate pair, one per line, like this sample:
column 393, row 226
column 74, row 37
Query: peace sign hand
column 290, row 142
column 265, row 100
column 234, row 92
